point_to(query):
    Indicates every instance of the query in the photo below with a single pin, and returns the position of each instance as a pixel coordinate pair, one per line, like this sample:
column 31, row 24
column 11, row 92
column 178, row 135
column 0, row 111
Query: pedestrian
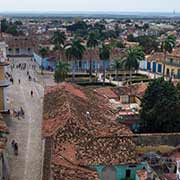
column 31, row 93
column 29, row 78
column 11, row 80
column 16, row 148
column 12, row 143
column 28, row 73
column 22, row 112
column 19, row 81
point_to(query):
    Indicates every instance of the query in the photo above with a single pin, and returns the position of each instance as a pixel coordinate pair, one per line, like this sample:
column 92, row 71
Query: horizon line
column 85, row 12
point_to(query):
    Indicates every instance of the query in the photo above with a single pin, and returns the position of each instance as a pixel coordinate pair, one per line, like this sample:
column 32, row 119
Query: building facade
column 4, row 83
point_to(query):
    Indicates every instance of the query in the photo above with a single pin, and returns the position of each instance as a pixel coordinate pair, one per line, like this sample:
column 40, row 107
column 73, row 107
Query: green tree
column 104, row 55
column 167, row 46
column 61, row 71
column 74, row 51
column 149, row 43
column 160, row 107
column 132, row 58
column 4, row 25
column 117, row 43
column 43, row 52
column 117, row 65
column 131, row 38
column 92, row 43
column 178, row 86
column 59, row 39
column 146, row 26
column 12, row 29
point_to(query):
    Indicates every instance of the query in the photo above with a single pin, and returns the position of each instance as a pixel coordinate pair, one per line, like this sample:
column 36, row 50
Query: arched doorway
column 109, row 173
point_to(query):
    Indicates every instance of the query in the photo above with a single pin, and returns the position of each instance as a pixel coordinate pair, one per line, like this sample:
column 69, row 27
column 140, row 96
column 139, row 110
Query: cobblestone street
column 26, row 131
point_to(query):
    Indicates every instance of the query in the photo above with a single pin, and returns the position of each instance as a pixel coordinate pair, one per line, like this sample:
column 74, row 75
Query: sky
column 90, row 5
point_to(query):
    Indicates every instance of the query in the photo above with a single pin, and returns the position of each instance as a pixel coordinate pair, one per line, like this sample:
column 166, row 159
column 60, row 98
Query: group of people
column 22, row 66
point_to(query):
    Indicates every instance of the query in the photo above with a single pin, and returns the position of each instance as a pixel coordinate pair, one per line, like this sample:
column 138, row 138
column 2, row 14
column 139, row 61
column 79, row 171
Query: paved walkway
column 27, row 132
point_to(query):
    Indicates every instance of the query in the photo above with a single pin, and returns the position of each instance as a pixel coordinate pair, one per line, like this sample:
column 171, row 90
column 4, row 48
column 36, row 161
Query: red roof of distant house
column 20, row 42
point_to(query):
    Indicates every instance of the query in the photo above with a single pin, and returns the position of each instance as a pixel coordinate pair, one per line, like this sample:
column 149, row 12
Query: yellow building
column 4, row 83
column 170, row 66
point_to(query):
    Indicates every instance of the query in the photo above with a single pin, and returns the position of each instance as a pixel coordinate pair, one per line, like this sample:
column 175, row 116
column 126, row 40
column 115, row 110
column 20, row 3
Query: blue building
column 49, row 63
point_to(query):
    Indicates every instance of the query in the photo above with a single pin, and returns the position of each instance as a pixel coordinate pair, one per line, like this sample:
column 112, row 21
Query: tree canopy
column 149, row 43
column 9, row 27
column 61, row 71
column 160, row 107
column 169, row 43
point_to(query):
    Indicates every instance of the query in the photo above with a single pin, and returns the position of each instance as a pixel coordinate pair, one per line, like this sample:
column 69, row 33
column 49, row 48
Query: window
column 171, row 60
column 10, row 49
column 17, row 50
column 128, row 173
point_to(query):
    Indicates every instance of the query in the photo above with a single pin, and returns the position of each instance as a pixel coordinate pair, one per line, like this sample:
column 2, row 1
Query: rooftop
column 84, row 131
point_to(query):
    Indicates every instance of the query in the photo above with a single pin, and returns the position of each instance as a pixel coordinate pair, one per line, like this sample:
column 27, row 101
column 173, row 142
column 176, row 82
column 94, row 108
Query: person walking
column 19, row 81
column 16, row 148
column 31, row 93
column 12, row 143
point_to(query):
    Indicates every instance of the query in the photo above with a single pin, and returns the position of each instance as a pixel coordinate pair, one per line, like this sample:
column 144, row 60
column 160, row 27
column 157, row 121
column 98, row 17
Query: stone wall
column 170, row 139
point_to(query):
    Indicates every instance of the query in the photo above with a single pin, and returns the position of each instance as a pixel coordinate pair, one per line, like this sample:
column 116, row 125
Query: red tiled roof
column 72, row 104
column 84, row 131
column 107, row 92
column 65, row 170
column 20, row 42
column 159, row 56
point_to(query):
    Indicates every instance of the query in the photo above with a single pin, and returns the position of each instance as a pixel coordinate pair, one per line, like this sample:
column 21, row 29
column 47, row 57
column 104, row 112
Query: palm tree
column 104, row 54
column 92, row 43
column 167, row 46
column 132, row 58
column 117, row 65
column 43, row 52
column 61, row 71
column 59, row 39
column 75, row 51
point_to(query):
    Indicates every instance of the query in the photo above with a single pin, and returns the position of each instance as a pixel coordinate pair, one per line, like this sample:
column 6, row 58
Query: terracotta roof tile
column 107, row 92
